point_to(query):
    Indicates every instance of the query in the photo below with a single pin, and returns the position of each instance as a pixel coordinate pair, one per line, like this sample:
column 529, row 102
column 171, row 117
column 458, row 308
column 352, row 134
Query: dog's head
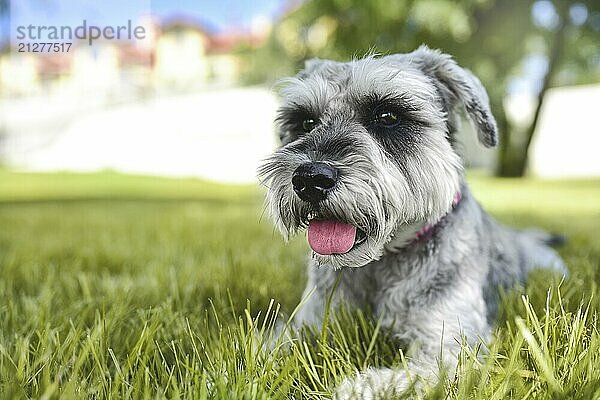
column 367, row 148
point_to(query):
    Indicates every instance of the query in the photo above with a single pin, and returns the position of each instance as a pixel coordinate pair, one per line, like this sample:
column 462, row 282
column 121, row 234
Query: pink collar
column 427, row 229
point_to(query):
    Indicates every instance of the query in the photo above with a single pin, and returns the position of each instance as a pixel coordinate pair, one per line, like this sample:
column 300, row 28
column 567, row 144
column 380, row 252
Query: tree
column 491, row 37
column 569, row 42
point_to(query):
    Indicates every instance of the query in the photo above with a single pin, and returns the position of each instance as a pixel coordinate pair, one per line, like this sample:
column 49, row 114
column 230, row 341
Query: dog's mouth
column 327, row 237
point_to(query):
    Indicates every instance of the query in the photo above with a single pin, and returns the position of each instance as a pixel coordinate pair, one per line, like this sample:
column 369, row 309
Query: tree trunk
column 513, row 159
column 506, row 162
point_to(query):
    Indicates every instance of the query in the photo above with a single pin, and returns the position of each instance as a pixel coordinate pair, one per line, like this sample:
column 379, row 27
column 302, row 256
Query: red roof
column 227, row 41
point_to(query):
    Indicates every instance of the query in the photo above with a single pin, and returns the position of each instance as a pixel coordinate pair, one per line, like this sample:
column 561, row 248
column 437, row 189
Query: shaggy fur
column 430, row 291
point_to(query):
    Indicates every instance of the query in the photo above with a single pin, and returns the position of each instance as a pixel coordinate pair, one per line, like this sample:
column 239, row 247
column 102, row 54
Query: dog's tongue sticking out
column 330, row 237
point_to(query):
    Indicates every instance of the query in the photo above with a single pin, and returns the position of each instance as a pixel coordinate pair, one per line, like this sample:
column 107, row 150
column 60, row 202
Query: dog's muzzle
column 312, row 181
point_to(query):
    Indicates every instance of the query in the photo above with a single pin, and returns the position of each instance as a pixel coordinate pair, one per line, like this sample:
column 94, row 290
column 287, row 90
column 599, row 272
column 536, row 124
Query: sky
column 218, row 15
column 223, row 14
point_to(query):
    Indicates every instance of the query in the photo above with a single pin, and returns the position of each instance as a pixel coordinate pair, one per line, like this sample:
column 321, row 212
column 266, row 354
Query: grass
column 118, row 286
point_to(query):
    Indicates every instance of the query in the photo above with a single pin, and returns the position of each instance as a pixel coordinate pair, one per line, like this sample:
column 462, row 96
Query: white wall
column 219, row 135
column 567, row 141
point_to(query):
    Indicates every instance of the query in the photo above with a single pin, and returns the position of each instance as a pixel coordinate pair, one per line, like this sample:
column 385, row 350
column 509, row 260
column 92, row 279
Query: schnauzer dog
column 369, row 167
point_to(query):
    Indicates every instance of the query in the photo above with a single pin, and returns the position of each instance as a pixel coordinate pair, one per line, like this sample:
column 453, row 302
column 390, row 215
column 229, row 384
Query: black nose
column 312, row 181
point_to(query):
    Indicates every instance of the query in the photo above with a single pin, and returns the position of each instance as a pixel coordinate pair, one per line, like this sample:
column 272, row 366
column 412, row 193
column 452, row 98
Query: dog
column 369, row 166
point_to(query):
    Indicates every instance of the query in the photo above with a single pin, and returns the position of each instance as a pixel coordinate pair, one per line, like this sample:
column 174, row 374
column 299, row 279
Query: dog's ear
column 319, row 66
column 310, row 66
column 459, row 84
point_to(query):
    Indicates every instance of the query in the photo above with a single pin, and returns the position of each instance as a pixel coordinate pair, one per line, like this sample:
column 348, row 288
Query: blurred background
column 129, row 203
column 196, row 98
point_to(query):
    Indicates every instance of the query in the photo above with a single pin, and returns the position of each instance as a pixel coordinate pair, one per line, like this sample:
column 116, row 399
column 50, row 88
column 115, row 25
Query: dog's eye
column 386, row 118
column 308, row 124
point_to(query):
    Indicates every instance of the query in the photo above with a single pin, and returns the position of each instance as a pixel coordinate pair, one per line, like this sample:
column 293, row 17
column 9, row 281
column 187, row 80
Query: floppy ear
column 320, row 66
column 459, row 84
column 310, row 66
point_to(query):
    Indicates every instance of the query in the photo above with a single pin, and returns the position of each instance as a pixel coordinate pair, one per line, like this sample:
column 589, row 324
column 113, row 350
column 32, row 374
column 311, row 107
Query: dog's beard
column 373, row 195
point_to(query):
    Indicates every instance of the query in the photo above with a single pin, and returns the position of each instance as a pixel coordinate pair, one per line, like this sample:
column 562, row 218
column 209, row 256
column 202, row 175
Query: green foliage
column 118, row 286
column 493, row 38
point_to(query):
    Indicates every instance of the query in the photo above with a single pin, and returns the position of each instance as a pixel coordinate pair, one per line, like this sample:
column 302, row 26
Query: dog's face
column 367, row 150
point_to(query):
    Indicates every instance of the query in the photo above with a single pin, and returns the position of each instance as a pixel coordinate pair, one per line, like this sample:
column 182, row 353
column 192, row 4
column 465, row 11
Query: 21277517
column 44, row 47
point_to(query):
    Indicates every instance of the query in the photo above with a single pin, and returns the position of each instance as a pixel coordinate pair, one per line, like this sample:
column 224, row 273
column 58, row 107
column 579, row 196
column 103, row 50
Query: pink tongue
column 330, row 237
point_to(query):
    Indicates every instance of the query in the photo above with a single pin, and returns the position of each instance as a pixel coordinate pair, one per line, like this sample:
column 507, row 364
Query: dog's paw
column 374, row 384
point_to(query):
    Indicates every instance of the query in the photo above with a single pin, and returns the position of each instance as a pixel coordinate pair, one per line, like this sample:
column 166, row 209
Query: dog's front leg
column 384, row 383
column 435, row 333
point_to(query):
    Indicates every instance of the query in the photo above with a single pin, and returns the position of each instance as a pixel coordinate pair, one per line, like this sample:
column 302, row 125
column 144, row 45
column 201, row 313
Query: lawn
column 117, row 286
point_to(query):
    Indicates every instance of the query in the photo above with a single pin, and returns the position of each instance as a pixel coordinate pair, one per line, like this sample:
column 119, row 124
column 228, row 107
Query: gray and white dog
column 369, row 167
